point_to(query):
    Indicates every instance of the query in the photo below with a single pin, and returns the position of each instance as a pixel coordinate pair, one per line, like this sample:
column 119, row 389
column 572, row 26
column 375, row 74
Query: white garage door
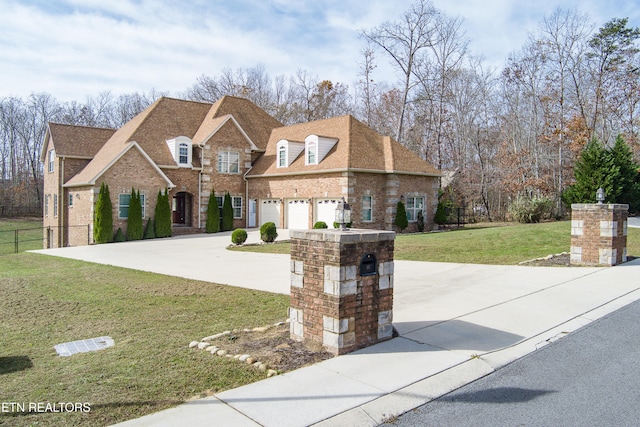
column 326, row 211
column 270, row 211
column 297, row 214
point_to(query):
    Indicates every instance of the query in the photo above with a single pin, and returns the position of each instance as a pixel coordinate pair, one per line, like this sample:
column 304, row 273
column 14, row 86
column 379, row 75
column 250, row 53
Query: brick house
column 291, row 175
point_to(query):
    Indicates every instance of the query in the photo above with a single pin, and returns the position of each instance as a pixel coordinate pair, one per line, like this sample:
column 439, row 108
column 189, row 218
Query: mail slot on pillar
column 368, row 265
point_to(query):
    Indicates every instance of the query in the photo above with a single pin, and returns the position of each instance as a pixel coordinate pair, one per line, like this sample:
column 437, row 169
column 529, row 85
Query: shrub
column 239, row 236
column 227, row 213
column 213, row 214
column 134, row 219
column 119, row 237
column 162, row 222
column 320, row 224
column 441, row 214
column 149, row 232
column 338, row 225
column 531, row 210
column 103, row 222
column 401, row 216
column 268, row 232
column 420, row 221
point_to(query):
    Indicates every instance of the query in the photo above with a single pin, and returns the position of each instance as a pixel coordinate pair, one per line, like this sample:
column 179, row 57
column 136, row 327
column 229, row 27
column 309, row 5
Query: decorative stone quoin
column 341, row 287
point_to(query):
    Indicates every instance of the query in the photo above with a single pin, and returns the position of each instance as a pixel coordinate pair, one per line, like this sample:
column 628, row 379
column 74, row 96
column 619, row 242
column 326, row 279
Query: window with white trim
column 46, row 205
column 236, row 204
column 282, row 156
column 183, row 153
column 311, row 155
column 414, row 205
column 228, row 162
column 367, row 208
column 124, row 199
column 52, row 157
column 55, row 205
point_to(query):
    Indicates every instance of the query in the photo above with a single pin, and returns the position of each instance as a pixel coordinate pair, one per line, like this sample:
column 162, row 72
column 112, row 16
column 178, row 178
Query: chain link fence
column 32, row 238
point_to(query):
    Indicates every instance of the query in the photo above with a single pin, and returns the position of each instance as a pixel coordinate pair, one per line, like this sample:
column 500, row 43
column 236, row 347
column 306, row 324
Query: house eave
column 342, row 170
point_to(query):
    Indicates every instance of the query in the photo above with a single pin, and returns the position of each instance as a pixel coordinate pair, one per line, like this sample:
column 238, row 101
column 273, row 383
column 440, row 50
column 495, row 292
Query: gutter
column 341, row 170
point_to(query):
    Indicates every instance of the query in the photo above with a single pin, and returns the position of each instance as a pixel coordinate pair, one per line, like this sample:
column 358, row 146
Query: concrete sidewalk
column 456, row 323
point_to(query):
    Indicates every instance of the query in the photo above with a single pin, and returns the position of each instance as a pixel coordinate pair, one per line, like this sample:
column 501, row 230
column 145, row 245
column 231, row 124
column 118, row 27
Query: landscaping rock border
column 217, row 350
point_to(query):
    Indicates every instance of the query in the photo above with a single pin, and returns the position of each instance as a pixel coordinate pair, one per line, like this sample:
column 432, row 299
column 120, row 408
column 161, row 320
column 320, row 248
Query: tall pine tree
column 612, row 169
column 103, row 221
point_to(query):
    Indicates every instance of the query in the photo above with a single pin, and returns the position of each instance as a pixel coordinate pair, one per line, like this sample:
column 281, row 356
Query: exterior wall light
column 600, row 195
column 343, row 214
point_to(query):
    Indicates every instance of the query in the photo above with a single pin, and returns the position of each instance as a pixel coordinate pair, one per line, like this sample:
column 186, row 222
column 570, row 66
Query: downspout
column 61, row 205
column 246, row 186
column 200, row 187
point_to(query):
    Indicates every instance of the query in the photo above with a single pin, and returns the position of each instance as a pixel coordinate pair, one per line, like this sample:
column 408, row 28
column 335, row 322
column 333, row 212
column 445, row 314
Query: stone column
column 599, row 234
column 341, row 287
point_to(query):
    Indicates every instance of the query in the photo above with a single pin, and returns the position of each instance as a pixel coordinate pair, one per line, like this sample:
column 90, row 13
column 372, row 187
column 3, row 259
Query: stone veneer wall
column 599, row 234
column 331, row 302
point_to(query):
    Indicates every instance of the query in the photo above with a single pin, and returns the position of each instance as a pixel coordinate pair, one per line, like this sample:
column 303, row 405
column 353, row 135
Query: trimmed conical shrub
column 213, row 214
column 149, row 231
column 103, row 221
column 227, row 213
column 134, row 219
column 162, row 221
column 401, row 216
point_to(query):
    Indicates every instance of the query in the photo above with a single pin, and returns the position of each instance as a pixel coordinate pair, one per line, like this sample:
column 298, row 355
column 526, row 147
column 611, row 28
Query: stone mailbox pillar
column 599, row 234
column 341, row 287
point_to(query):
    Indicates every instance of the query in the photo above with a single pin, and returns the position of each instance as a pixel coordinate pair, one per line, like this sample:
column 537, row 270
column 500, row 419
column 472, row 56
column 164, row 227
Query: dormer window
column 282, row 156
column 288, row 152
column 181, row 152
column 317, row 147
column 311, row 153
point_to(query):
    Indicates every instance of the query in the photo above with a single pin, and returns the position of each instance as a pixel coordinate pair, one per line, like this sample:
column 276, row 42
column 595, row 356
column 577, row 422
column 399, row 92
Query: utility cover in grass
column 83, row 346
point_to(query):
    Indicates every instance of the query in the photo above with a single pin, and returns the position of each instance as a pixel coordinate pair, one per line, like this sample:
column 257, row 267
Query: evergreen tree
column 612, row 169
column 134, row 219
column 103, row 222
column 149, row 231
column 401, row 216
column 441, row 214
column 213, row 214
column 626, row 186
column 227, row 213
column 162, row 215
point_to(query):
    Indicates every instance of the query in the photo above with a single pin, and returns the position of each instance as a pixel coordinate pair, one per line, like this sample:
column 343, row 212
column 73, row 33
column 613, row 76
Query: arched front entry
column 182, row 208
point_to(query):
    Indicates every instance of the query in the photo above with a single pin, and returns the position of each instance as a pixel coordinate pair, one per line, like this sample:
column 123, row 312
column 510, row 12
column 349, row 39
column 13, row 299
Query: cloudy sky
column 75, row 48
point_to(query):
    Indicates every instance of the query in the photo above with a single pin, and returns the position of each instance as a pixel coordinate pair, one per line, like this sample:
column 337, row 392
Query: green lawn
column 480, row 244
column 46, row 301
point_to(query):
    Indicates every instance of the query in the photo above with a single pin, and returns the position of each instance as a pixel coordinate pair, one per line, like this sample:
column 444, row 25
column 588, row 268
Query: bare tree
column 405, row 41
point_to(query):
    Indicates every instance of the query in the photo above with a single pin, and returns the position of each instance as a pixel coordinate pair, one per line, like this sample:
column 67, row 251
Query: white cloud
column 73, row 48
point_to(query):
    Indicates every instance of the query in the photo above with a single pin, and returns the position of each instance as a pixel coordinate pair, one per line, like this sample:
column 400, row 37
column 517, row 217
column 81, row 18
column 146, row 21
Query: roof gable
column 75, row 141
column 253, row 121
column 76, row 181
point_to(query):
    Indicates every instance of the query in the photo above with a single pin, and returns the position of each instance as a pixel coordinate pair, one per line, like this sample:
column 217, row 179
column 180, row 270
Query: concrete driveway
column 457, row 323
column 424, row 292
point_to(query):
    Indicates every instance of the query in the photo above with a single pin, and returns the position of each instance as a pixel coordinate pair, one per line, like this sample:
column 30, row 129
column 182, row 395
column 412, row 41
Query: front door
column 180, row 208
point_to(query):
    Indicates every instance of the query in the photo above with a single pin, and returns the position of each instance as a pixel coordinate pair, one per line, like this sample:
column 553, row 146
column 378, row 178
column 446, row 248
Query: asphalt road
column 590, row 377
